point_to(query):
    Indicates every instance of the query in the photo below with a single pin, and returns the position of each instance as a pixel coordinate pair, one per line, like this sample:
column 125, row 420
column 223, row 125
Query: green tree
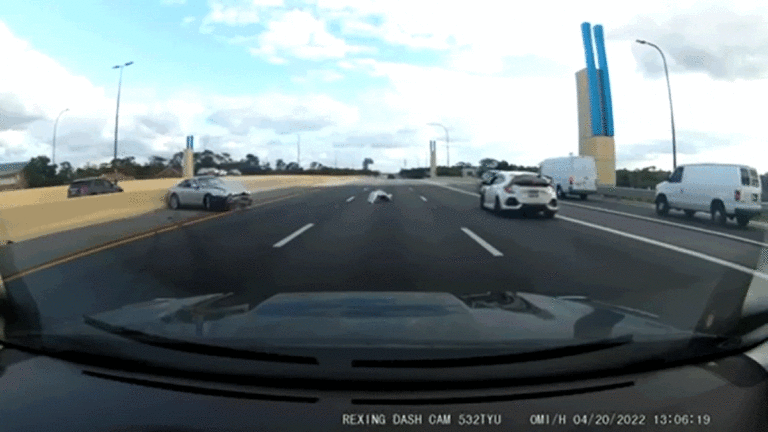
column 66, row 172
column 39, row 172
column 252, row 160
column 157, row 161
column 176, row 160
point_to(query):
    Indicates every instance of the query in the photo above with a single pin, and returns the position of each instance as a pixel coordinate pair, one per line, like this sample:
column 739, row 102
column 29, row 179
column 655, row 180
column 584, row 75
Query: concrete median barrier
column 30, row 213
column 29, row 221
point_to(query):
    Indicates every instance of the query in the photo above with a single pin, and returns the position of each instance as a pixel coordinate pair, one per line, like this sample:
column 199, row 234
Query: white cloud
column 231, row 14
column 282, row 114
column 173, row 2
column 188, row 20
column 504, row 87
column 299, row 34
column 315, row 76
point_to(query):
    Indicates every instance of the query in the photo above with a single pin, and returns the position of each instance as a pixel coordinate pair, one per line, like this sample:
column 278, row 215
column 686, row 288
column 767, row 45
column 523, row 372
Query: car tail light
column 737, row 195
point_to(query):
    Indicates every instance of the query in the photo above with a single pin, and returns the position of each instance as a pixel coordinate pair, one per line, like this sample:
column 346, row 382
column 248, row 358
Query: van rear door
column 584, row 175
column 750, row 191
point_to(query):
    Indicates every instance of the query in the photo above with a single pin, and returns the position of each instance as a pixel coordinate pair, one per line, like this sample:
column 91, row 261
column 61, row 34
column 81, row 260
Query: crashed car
column 209, row 192
column 379, row 196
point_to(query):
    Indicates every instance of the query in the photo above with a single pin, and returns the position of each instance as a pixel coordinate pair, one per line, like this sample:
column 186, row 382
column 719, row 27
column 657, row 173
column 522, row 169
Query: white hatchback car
column 520, row 191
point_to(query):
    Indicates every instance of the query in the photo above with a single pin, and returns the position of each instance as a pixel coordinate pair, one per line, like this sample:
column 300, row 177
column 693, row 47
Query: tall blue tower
column 595, row 105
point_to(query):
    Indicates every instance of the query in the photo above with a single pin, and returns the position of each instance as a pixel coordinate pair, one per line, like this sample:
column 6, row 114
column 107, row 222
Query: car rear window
column 526, row 180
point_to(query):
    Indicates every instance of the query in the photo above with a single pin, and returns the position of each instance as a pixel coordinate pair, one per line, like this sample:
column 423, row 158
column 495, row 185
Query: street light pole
column 669, row 92
column 54, row 134
column 117, row 111
column 447, row 148
column 298, row 150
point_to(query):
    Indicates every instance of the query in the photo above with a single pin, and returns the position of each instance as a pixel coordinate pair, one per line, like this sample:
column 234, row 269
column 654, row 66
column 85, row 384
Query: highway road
column 433, row 236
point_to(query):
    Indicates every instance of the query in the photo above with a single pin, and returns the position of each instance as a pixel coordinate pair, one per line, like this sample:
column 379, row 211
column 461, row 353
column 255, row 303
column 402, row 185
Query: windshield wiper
column 545, row 354
column 195, row 347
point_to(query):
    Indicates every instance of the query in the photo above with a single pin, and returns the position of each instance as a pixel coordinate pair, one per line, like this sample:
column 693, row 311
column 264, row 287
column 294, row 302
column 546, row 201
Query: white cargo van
column 571, row 175
column 724, row 191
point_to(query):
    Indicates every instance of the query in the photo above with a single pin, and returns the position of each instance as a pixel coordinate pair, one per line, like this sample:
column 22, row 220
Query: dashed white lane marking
column 350, row 199
column 297, row 233
column 738, row 267
column 423, row 199
column 481, row 242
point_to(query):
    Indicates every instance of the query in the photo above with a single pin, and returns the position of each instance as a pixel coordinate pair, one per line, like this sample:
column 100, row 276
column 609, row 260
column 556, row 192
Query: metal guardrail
column 625, row 192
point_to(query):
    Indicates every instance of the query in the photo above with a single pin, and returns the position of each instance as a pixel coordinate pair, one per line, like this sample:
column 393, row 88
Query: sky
column 351, row 79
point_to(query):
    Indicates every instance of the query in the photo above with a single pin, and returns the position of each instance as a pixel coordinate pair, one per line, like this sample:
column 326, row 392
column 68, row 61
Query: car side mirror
column 119, row 189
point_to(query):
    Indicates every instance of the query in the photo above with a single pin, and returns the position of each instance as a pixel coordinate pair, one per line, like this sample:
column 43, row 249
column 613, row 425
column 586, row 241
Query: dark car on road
column 91, row 186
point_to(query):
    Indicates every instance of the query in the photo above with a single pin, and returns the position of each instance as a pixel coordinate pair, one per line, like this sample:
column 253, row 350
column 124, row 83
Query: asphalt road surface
column 432, row 236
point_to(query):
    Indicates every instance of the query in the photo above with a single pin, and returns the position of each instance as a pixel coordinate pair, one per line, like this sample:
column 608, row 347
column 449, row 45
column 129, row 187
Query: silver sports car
column 210, row 192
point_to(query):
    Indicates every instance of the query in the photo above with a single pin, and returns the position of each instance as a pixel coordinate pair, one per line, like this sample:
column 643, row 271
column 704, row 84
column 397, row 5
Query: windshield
column 211, row 182
column 403, row 180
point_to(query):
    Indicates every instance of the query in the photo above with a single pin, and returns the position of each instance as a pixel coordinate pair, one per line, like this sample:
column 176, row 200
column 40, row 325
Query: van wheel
column 662, row 206
column 549, row 214
column 583, row 197
column 497, row 206
column 690, row 213
column 482, row 201
column 718, row 214
column 560, row 193
column 742, row 220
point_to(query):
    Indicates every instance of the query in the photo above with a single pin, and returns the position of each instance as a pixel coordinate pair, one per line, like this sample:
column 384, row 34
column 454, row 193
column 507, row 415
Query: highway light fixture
column 54, row 135
column 117, row 111
column 669, row 91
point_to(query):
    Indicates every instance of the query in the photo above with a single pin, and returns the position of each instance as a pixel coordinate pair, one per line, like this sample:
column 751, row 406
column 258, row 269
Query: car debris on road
column 379, row 196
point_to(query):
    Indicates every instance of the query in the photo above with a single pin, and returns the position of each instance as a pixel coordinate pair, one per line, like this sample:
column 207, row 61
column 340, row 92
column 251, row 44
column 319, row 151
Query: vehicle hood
column 386, row 318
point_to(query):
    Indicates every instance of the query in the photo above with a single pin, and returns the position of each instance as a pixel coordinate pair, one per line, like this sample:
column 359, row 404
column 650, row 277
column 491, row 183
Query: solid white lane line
column 410, row 189
column 423, row 199
column 677, row 249
column 350, row 199
column 365, row 189
column 283, row 242
column 692, row 228
column 481, row 242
